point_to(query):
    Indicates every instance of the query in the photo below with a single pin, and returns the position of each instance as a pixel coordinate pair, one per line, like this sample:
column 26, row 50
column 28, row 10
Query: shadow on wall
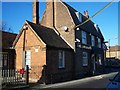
column 43, row 78
column 49, row 78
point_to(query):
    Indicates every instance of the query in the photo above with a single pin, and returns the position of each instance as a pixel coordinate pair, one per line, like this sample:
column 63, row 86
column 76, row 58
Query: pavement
column 14, row 87
column 58, row 85
column 74, row 82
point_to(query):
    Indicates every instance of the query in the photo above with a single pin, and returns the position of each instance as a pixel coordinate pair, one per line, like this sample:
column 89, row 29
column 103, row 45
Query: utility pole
column 109, row 48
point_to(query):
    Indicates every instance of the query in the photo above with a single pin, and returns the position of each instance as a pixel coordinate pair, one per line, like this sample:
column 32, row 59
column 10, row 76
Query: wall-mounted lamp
column 65, row 28
column 25, row 27
column 77, row 40
column 77, row 29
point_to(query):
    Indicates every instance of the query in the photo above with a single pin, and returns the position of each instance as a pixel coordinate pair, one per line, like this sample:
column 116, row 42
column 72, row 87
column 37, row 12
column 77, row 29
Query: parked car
column 112, row 62
column 114, row 83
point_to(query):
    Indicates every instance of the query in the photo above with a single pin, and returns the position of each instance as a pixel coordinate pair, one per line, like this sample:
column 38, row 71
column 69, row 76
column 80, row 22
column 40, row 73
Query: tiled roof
column 49, row 36
column 88, row 27
column 7, row 39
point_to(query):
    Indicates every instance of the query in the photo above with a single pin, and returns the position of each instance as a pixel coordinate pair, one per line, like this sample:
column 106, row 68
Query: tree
column 3, row 27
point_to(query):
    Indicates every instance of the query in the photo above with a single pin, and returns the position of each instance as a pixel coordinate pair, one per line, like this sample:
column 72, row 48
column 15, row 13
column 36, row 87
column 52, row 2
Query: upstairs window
column 99, row 42
column 84, row 38
column 61, row 62
column 92, row 40
column 79, row 16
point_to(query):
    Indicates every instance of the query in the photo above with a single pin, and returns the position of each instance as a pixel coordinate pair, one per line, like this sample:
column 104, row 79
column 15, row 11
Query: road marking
column 98, row 77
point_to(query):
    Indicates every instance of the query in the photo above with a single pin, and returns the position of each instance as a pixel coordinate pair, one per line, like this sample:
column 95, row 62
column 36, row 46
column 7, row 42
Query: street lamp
column 105, row 48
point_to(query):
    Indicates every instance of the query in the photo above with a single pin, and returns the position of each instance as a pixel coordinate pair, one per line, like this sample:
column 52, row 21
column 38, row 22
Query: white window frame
column 61, row 62
column 99, row 42
column 28, row 58
column 92, row 40
column 84, row 37
column 85, row 58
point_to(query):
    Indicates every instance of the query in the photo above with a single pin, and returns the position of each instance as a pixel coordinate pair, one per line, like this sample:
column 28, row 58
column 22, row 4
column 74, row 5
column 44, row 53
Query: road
column 100, row 81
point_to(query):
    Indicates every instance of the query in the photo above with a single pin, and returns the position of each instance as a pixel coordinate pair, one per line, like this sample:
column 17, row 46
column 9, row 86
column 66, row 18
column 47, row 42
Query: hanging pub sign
column 83, row 46
column 86, row 47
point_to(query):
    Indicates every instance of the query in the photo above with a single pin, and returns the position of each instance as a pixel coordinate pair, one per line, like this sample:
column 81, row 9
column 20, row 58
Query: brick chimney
column 50, row 13
column 35, row 12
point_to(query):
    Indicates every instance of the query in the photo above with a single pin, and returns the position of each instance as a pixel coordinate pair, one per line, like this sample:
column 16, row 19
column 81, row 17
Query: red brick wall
column 47, row 19
column 38, row 59
column 59, row 74
column 59, row 16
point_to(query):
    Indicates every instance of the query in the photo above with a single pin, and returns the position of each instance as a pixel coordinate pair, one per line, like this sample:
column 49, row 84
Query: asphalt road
column 95, row 82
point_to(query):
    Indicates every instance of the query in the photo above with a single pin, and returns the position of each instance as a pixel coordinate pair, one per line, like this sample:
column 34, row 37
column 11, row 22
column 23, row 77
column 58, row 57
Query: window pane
column 84, row 38
column 5, row 59
column 85, row 59
column 99, row 42
column 92, row 40
column 100, row 59
column 61, row 59
column 28, row 58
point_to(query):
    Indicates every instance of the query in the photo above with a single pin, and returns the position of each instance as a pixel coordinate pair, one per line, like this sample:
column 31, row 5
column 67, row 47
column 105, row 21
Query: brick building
column 86, row 40
column 7, row 53
column 113, row 51
column 55, row 50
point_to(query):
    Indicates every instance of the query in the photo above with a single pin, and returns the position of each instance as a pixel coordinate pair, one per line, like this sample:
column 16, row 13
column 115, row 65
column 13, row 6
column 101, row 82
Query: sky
column 14, row 15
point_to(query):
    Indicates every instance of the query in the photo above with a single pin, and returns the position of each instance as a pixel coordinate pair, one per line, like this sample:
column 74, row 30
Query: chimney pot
column 86, row 13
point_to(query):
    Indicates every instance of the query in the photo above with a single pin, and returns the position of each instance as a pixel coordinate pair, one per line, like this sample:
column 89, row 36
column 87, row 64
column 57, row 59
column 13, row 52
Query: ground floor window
column 61, row 62
column 28, row 58
column 85, row 58
column 100, row 59
column 4, row 60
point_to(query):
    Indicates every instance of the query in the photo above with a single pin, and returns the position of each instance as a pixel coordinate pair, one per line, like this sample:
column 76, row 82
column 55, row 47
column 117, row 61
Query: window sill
column 85, row 65
column 61, row 67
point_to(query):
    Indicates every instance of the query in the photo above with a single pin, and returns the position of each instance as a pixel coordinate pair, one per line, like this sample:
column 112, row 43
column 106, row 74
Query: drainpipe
column 23, row 62
column 24, row 38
